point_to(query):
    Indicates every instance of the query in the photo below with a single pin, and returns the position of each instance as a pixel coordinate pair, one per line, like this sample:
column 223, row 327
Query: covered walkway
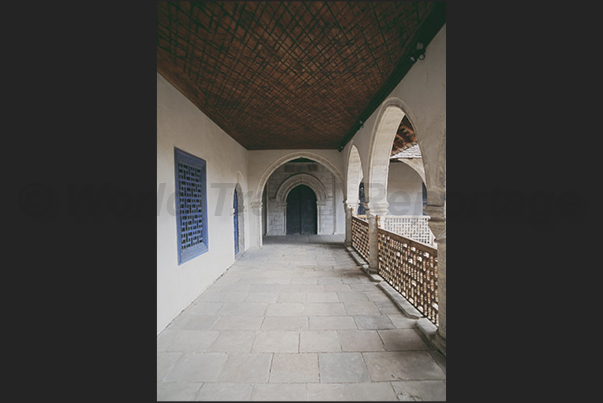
column 296, row 320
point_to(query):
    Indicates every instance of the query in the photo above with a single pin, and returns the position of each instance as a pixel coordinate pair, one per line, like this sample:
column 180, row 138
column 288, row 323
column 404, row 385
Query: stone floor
column 296, row 320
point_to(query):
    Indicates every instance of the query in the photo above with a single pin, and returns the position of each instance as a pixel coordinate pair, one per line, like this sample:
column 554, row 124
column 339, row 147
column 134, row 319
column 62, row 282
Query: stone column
column 320, row 224
column 256, row 208
column 349, row 209
column 437, row 224
column 372, row 211
column 281, row 207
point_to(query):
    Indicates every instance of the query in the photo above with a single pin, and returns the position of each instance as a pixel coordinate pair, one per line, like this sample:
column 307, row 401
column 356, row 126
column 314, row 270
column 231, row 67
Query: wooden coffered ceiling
column 290, row 75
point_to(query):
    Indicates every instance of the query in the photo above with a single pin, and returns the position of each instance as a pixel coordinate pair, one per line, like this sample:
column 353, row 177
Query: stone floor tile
column 402, row 365
column 364, row 287
column 192, row 341
column 285, row 309
column 280, row 392
column 378, row 391
column 311, row 287
column 342, row 367
column 267, row 297
column 294, row 368
column 227, row 279
column 165, row 338
column 360, row 340
column 350, row 280
column 290, row 288
column 267, row 288
column 361, row 308
column 232, row 392
column 377, row 295
column 402, row 339
column 291, row 297
column 373, row 322
column 323, row 309
column 375, row 391
column 238, row 323
column 387, row 307
column 322, row 297
column 277, row 280
column 165, row 362
column 323, row 392
column 204, row 308
column 432, row 391
column 292, row 323
column 319, row 341
column 337, row 287
column 234, row 297
column 401, row 321
column 233, row 341
column 246, row 368
column 236, row 288
column 243, row 309
column 181, row 320
column 276, row 342
column 213, row 295
column 197, row 368
column 200, row 322
column 329, row 280
column 331, row 323
column 352, row 296
column 177, row 391
column 252, row 280
column 304, row 280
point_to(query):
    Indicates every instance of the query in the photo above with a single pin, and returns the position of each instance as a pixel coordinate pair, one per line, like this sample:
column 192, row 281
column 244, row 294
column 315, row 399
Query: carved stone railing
column 360, row 237
column 412, row 269
column 414, row 227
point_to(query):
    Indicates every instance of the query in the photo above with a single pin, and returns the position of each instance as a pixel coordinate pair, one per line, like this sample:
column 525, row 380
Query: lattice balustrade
column 360, row 238
column 412, row 269
column 414, row 227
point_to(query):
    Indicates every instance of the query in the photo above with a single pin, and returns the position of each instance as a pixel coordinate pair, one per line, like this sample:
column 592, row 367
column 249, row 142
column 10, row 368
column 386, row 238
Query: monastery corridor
column 297, row 319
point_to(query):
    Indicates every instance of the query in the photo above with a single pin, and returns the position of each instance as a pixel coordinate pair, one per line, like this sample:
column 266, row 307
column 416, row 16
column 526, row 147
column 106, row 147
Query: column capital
column 437, row 222
column 377, row 208
column 350, row 203
column 256, row 204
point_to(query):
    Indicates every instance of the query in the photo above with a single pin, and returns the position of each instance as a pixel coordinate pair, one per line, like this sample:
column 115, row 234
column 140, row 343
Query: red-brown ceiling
column 288, row 75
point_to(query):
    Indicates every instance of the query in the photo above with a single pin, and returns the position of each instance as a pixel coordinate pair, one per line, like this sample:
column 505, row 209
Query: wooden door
column 301, row 211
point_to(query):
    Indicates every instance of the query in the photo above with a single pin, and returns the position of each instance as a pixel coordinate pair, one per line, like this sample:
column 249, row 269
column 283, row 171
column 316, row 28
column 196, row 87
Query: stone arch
column 388, row 120
column 301, row 179
column 416, row 165
column 283, row 160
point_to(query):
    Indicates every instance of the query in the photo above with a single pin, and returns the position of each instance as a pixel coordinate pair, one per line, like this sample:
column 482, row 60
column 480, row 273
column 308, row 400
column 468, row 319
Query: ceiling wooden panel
column 286, row 75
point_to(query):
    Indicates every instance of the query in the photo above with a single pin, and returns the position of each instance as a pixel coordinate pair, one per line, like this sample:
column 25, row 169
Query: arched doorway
column 301, row 211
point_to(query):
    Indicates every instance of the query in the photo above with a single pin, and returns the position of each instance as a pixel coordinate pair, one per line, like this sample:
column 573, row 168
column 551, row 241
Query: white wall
column 404, row 190
column 181, row 124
